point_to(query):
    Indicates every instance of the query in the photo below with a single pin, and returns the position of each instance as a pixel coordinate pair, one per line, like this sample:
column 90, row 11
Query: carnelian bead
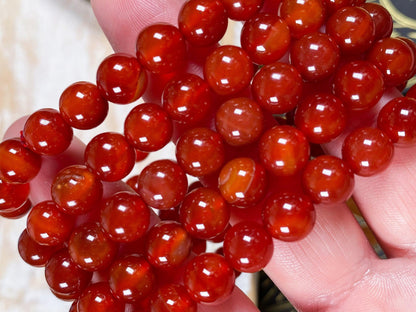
column 46, row 132
column 204, row 213
column 162, row 184
column 33, row 253
column 242, row 10
column 171, row 214
column 352, row 28
column 148, row 127
column 321, row 117
column 121, row 79
column 284, row 150
column 367, row 151
column 303, row 17
column 397, row 119
column 65, row 279
column 172, row 298
column 328, row 179
column 200, row 151
column 110, row 156
column 209, row 278
column 47, row 225
column 82, row 106
column 315, row 56
column 131, row 278
column 277, row 87
column 198, row 246
column 203, row 22
column 73, row 307
column 288, row 216
column 124, row 216
column 332, row 6
column 140, row 155
column 228, row 70
column 265, row 37
column 168, row 245
column 91, row 248
column 161, row 48
column 242, row 182
column 248, row 246
column 99, row 298
column 411, row 92
column 359, row 84
column 13, row 195
column 383, row 22
column 412, row 46
column 17, row 212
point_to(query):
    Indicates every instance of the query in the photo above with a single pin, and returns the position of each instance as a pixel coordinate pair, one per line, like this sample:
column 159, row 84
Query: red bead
column 46, row 132
column 161, row 48
column 328, row 179
column 411, row 92
column 332, row 6
column 367, row 151
column 277, row 87
column 209, row 278
column 12, row 195
column 125, row 217
column 140, row 155
column 315, row 56
column 397, row 119
column 76, row 190
column 352, row 28
column 228, row 70
column 303, row 17
column 284, row 150
column 132, row 278
column 91, row 248
column 172, row 298
column 265, row 37
column 110, row 156
column 16, row 212
column 359, row 84
column 242, row 10
column 47, row 225
column 148, row 127
column 383, row 22
column 412, row 46
column 99, row 298
column 200, row 151
column 321, row 117
column 248, row 246
column 168, row 245
column 203, row 22
column 288, row 216
column 121, row 79
column 73, row 307
column 204, row 213
column 162, row 184
column 65, row 279
column 33, row 253
column 82, row 106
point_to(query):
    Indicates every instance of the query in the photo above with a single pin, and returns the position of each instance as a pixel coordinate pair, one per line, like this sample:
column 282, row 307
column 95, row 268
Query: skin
column 334, row 268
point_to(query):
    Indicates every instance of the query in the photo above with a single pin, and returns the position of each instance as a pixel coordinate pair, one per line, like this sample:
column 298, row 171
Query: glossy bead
column 131, row 278
column 200, row 152
column 47, row 225
column 288, row 216
column 352, row 28
column 303, row 17
column 359, row 85
column 65, row 279
column 161, row 48
column 13, row 195
column 209, row 278
column 204, row 213
column 328, row 179
column 315, row 56
column 76, row 190
column 16, row 212
column 332, row 6
column 383, row 22
column 99, row 298
column 46, row 132
column 248, row 246
column 82, row 106
column 73, row 307
column 397, row 119
column 140, row 155
column 172, row 298
column 228, row 70
column 121, row 79
column 277, row 87
column 367, row 151
column 265, row 37
column 187, row 98
column 162, row 184
column 321, row 117
column 168, row 245
column 242, row 10
column 91, row 248
column 203, row 22
column 110, row 156
column 284, row 150
column 33, row 253
column 412, row 45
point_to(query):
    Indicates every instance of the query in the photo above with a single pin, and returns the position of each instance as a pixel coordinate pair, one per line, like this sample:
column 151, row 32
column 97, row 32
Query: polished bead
column 383, row 21
column 99, row 298
column 172, row 298
column 13, row 195
column 242, row 10
column 332, row 6
column 33, row 253
column 17, row 212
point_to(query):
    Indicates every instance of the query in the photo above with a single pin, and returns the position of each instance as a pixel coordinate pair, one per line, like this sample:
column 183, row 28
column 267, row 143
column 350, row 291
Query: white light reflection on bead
column 13, row 151
column 88, row 260
column 80, row 95
column 43, row 143
column 158, row 36
column 401, row 133
column 197, row 142
column 242, row 173
column 276, row 76
column 63, row 285
column 107, row 146
column 357, row 76
column 166, row 237
column 118, row 67
column 282, row 141
column 238, row 111
column 157, row 59
column 157, row 197
column 351, row 19
column 320, row 107
column 239, row 194
column 263, row 26
column 317, row 130
column 279, row 163
column 404, row 112
column 130, row 270
column 225, row 81
column 105, row 169
column 312, row 68
column 314, row 47
column 163, row 259
column 287, row 206
column 200, row 8
column 117, row 90
column 127, row 292
column 247, row 238
column 160, row 174
column 235, row 133
column 260, row 48
column 284, row 229
column 44, row 235
column 196, row 164
column 44, row 122
column 119, row 230
column 389, row 51
column 206, row 272
column 324, row 194
column 367, row 142
column 170, row 302
column 202, row 204
column 327, row 172
column 200, row 226
column 79, row 117
column 365, row 163
column 244, row 260
column 91, row 238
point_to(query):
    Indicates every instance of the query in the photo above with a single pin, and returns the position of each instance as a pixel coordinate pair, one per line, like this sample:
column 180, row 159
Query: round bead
column 383, row 22
column 172, row 298
column 33, row 253
column 13, row 195
column 99, row 298
column 242, row 10
column 17, row 212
